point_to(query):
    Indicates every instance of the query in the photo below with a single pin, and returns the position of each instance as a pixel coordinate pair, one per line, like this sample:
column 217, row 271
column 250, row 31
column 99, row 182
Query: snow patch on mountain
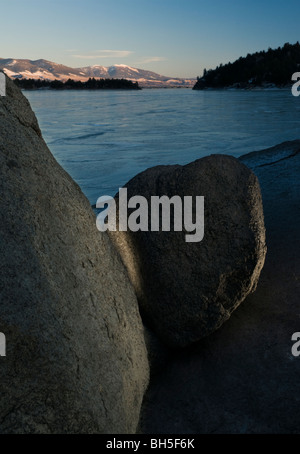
column 9, row 73
column 127, row 67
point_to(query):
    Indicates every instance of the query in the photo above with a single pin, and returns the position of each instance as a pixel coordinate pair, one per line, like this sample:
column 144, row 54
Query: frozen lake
column 104, row 138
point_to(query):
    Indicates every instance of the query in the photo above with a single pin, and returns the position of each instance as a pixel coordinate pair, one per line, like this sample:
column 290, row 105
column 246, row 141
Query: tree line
column 91, row 84
column 274, row 66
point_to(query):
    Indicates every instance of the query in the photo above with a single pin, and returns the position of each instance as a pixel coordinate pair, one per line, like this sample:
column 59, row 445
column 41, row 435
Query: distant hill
column 47, row 70
column 266, row 68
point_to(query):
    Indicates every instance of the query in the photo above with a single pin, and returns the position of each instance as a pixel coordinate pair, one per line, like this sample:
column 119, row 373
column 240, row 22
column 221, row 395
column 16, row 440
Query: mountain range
column 48, row 70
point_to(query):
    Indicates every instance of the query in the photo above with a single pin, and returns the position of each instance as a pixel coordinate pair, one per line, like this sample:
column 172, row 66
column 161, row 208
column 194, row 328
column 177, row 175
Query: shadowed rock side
column 187, row 290
column 76, row 358
column 243, row 378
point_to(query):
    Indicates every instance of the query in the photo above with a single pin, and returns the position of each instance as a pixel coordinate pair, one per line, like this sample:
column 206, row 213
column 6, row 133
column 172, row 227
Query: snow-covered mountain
column 44, row 69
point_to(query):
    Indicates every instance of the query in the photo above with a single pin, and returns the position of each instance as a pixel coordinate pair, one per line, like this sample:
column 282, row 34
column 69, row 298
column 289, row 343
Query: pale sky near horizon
column 174, row 38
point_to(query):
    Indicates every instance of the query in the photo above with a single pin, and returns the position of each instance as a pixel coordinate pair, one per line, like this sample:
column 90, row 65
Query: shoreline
column 270, row 87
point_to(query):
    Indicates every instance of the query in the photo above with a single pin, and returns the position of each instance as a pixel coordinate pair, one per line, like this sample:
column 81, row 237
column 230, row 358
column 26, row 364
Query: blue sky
column 174, row 38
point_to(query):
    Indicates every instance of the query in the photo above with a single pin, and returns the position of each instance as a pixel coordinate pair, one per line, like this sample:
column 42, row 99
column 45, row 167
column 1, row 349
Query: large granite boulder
column 76, row 358
column 187, row 290
column 244, row 378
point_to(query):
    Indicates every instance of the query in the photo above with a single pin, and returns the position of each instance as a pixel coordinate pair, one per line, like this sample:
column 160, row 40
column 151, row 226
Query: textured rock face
column 187, row 290
column 76, row 358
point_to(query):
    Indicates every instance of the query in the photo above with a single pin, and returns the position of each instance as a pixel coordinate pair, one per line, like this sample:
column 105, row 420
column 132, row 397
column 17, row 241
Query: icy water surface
column 104, row 138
